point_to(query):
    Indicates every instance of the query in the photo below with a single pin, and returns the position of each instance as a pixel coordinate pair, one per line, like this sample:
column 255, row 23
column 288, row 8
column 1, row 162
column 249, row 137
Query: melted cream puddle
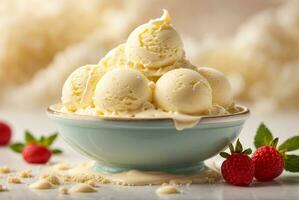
column 84, row 172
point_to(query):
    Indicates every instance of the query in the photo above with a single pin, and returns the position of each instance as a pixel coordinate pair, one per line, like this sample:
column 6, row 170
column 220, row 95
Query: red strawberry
column 5, row 133
column 268, row 162
column 36, row 153
column 238, row 168
column 36, row 150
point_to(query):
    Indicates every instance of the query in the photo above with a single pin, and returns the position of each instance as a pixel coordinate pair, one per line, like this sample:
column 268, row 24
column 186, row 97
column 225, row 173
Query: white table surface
column 285, row 187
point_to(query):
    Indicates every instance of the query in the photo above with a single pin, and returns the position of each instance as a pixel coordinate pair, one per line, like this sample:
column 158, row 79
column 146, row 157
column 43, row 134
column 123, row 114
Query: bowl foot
column 179, row 169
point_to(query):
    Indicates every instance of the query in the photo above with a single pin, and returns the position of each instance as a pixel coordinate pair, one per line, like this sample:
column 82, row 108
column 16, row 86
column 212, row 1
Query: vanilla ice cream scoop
column 155, row 44
column 79, row 87
column 221, row 88
column 114, row 58
column 184, row 91
column 120, row 90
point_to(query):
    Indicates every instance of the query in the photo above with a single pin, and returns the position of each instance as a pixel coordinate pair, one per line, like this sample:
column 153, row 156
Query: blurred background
column 256, row 43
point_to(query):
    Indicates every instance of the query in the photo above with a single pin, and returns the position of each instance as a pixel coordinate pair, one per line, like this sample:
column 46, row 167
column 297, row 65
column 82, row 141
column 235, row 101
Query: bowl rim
column 241, row 115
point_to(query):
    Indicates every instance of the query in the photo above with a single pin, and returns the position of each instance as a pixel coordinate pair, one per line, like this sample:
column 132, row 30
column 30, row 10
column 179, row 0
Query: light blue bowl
column 147, row 144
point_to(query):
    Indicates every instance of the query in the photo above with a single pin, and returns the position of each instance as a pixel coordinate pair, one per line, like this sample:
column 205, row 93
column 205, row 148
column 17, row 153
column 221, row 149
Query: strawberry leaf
column 239, row 147
column 263, row 136
column 29, row 138
column 247, row 151
column 49, row 140
column 290, row 144
column 17, row 147
column 224, row 154
column 274, row 142
column 231, row 148
column 292, row 163
column 56, row 151
column 42, row 140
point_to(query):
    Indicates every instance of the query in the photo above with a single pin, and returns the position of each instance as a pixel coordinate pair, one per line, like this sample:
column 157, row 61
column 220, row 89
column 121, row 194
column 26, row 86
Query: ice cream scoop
column 184, row 91
column 79, row 87
column 114, row 58
column 221, row 88
column 121, row 90
column 155, row 44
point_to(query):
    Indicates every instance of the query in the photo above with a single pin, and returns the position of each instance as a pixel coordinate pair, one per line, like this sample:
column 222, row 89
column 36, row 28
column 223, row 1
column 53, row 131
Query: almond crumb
column 41, row 185
column 167, row 189
column 4, row 170
column 62, row 166
column 91, row 183
column 25, row 174
column 82, row 188
column 54, row 180
column 14, row 180
column 3, row 189
column 63, row 190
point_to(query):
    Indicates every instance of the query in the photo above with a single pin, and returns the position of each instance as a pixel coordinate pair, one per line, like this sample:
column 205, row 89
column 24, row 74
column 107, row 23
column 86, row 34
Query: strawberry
column 36, row 151
column 5, row 133
column 269, row 160
column 238, row 168
column 268, row 163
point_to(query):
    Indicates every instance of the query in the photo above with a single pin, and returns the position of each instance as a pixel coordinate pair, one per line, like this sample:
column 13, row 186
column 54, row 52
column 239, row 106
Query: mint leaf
column 56, row 151
column 290, row 144
column 263, row 136
column 292, row 163
column 17, row 147
column 49, row 140
column 29, row 138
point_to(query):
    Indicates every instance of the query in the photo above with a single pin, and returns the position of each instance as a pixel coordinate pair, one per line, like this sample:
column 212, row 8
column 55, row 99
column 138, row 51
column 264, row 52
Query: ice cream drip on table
column 149, row 76
column 84, row 173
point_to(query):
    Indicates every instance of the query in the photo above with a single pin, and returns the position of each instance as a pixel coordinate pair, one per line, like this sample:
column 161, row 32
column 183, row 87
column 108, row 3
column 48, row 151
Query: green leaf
column 42, row 140
column 29, row 138
column 274, row 142
column 231, row 148
column 49, row 140
column 224, row 154
column 239, row 147
column 247, row 151
column 290, row 144
column 17, row 147
column 56, row 151
column 292, row 163
column 263, row 136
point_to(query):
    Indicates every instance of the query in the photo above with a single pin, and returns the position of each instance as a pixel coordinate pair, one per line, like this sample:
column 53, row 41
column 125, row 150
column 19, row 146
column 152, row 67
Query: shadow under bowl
column 153, row 144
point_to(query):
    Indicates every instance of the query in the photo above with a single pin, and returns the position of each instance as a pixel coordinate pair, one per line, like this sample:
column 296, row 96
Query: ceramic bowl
column 147, row 144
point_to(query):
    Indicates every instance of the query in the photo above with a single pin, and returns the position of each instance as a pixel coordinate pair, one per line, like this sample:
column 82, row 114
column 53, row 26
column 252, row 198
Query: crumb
column 14, row 180
column 91, row 183
column 4, row 170
column 25, row 174
column 3, row 189
column 54, row 180
column 167, row 189
column 82, row 188
column 62, row 166
column 180, row 182
column 41, row 185
column 63, row 190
